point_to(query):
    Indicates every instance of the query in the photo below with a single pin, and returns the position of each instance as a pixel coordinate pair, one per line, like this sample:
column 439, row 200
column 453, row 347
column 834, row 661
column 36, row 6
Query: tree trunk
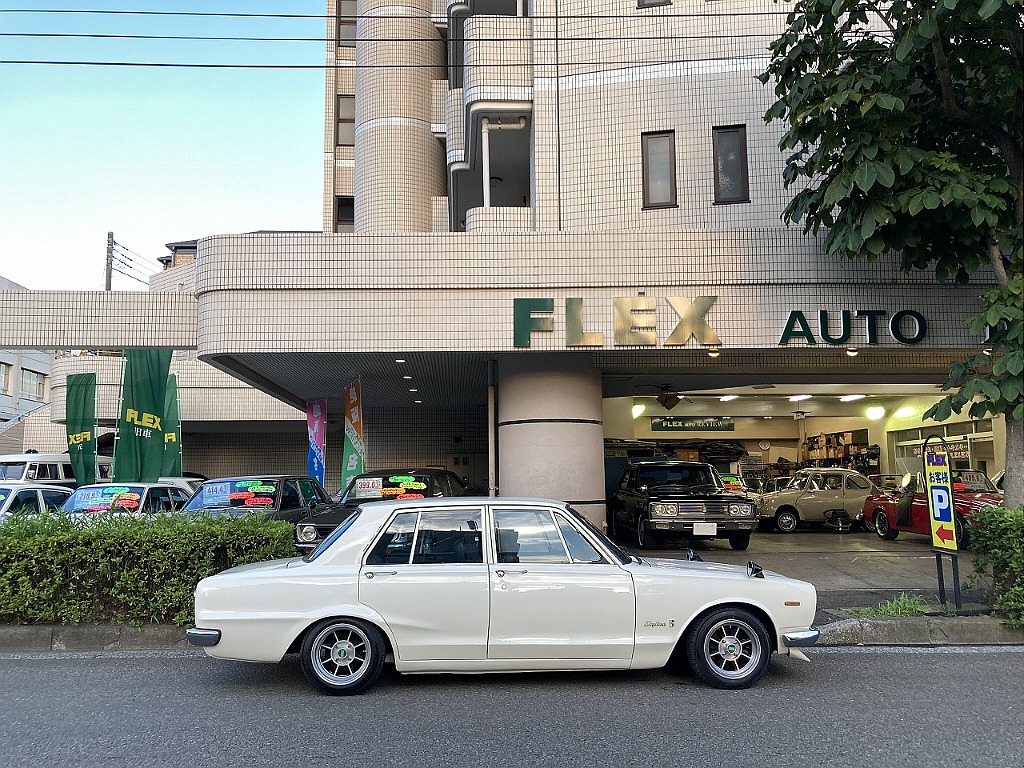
column 1013, row 481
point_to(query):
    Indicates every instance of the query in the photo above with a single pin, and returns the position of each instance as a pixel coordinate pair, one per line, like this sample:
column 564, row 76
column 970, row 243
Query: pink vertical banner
column 316, row 426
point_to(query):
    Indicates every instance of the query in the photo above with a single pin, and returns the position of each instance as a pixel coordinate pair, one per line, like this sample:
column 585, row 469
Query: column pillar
column 550, row 430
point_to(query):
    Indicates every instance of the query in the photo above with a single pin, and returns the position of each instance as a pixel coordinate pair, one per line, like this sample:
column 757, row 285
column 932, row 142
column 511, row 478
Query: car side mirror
column 31, row 474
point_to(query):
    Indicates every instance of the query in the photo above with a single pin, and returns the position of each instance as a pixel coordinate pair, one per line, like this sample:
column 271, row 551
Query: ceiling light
column 399, row 360
column 668, row 401
column 417, row 401
column 851, row 398
column 407, row 377
column 767, row 418
column 638, row 410
column 875, row 413
column 852, row 351
column 798, row 398
column 414, row 390
column 727, row 398
column 714, row 350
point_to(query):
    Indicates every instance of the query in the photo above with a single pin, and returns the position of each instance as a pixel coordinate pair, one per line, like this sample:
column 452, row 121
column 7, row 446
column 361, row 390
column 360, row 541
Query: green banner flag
column 172, row 431
column 80, row 419
column 140, row 435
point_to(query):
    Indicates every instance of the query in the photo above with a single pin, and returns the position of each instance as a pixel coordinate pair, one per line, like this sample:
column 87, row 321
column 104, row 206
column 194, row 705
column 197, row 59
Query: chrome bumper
column 202, row 637
column 802, row 639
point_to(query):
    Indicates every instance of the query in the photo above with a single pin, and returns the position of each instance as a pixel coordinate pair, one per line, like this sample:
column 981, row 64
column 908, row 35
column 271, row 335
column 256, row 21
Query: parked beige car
column 814, row 497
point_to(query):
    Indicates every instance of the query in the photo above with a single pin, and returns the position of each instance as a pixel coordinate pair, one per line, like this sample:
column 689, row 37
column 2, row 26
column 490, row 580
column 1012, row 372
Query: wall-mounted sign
column 692, row 424
column 958, row 450
column 905, row 326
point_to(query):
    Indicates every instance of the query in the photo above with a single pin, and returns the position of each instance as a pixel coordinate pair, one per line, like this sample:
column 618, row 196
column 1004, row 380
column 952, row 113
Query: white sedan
column 496, row 585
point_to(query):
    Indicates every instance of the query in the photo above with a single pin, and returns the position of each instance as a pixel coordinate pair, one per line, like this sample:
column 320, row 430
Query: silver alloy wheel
column 341, row 654
column 732, row 648
column 786, row 521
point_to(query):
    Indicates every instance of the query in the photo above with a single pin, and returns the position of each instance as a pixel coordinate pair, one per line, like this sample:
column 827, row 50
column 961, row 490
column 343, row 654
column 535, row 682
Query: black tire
column 610, row 520
column 739, row 541
column 869, row 524
column 963, row 535
column 342, row 657
column 786, row 520
column 644, row 537
column 882, row 528
column 728, row 648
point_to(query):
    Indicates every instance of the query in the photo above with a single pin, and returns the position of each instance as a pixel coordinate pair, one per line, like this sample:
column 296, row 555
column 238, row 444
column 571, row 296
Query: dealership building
column 539, row 217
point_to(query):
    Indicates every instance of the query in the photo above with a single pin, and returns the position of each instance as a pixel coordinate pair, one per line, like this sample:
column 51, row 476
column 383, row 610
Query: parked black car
column 281, row 497
column 420, row 483
column 662, row 499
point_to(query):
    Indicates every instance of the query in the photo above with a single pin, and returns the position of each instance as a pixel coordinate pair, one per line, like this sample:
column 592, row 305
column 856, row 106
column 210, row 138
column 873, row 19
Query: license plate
column 705, row 529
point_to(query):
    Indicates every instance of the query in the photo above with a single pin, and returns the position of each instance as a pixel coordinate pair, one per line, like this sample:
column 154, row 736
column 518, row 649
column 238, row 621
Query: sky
column 154, row 155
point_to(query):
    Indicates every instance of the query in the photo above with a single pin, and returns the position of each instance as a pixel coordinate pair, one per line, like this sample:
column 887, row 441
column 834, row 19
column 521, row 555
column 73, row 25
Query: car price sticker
column 369, row 487
column 939, row 484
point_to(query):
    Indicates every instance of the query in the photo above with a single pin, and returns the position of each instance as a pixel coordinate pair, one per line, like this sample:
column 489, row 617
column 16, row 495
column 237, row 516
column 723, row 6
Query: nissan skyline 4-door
column 497, row 584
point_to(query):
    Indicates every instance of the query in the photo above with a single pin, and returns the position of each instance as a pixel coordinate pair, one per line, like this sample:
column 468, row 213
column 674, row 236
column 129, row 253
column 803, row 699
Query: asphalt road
column 848, row 707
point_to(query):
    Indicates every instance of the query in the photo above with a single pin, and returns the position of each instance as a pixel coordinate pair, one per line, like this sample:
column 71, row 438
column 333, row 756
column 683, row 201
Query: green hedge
column 121, row 569
column 997, row 543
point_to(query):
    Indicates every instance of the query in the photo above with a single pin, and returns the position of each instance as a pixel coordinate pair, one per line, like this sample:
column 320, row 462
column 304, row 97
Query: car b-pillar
column 550, row 430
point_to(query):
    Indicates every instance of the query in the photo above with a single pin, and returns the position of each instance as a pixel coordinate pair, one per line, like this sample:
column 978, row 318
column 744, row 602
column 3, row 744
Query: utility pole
column 110, row 261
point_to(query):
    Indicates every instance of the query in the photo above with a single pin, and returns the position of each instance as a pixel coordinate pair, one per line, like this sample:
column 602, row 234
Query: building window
column 731, row 164
column 659, row 158
column 33, row 385
column 5, row 379
column 344, row 214
column 345, row 116
column 346, row 23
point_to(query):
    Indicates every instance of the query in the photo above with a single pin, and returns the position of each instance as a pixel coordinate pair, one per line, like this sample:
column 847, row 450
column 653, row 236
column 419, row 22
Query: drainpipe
column 485, row 150
column 491, row 428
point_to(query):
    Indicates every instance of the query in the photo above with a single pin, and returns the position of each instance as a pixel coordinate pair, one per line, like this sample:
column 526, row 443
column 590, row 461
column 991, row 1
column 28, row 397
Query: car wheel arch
column 370, row 617
column 753, row 608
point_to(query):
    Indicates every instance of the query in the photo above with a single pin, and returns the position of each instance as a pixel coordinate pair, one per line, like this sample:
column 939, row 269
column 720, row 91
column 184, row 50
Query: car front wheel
column 342, row 656
column 786, row 521
column 739, row 541
column 882, row 527
column 729, row 648
column 644, row 537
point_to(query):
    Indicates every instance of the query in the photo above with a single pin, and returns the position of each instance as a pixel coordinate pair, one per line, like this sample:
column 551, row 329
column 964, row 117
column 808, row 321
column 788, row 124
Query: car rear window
column 391, row 487
column 106, row 497
column 251, row 494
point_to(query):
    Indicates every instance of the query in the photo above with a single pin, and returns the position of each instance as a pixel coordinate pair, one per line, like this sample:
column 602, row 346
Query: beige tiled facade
column 498, row 156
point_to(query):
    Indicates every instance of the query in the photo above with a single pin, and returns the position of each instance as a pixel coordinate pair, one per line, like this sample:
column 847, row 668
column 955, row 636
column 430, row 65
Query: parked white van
column 49, row 468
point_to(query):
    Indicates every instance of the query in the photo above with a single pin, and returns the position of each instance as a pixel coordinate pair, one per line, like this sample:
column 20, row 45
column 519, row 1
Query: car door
column 857, row 489
column 553, row 596
column 53, row 499
column 24, row 502
column 427, row 578
column 292, row 509
column 158, row 501
column 824, row 491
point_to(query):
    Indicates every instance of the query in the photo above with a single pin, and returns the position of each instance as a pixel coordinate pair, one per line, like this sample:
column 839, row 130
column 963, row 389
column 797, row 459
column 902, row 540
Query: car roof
column 256, row 477
column 35, row 486
column 128, row 482
column 403, row 470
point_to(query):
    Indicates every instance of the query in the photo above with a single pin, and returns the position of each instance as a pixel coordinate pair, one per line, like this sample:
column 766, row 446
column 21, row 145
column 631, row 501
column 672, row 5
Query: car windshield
column 887, row 482
column 336, row 534
column 377, row 487
column 672, row 475
column 101, row 498
column 234, row 494
column 4, row 493
column 10, row 470
column 972, row 480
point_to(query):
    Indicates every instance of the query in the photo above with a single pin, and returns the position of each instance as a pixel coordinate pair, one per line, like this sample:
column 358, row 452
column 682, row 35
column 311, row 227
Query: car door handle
column 501, row 574
column 371, row 574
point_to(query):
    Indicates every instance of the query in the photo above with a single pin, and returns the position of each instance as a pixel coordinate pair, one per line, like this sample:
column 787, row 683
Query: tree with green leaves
column 905, row 123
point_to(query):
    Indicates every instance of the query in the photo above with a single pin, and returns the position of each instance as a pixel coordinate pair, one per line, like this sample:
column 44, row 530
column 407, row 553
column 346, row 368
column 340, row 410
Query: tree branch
column 995, row 257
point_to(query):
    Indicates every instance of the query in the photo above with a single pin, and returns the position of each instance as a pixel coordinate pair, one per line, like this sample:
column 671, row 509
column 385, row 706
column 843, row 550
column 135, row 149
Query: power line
column 211, row 14
column 130, row 277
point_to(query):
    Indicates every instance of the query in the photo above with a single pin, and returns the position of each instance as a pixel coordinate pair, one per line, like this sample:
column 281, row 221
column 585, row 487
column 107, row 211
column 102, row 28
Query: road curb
column 920, row 631
column 894, row 630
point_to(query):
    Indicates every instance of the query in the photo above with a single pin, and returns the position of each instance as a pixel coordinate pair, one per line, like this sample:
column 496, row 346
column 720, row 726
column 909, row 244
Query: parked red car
column 906, row 508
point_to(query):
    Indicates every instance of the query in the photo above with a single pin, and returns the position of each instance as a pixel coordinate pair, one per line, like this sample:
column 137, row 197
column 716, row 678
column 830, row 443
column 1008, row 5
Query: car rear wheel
column 786, row 521
column 644, row 537
column 882, row 527
column 342, row 656
column 729, row 648
column 739, row 541
column 869, row 523
column 963, row 536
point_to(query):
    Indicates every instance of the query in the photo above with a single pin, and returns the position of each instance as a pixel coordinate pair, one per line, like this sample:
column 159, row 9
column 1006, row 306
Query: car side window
column 528, row 535
column 394, row 545
column 290, row 498
column 157, row 500
column 309, row 493
column 449, row 536
column 581, row 550
column 458, row 487
column 69, row 472
column 54, row 499
column 856, row 481
column 624, row 480
column 179, row 497
column 24, row 501
column 832, row 482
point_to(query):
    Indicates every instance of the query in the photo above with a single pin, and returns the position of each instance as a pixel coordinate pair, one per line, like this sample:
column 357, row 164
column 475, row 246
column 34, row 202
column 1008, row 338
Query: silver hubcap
column 786, row 522
column 732, row 648
column 340, row 654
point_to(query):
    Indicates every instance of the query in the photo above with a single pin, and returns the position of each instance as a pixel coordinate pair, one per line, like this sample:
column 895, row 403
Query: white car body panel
column 489, row 617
